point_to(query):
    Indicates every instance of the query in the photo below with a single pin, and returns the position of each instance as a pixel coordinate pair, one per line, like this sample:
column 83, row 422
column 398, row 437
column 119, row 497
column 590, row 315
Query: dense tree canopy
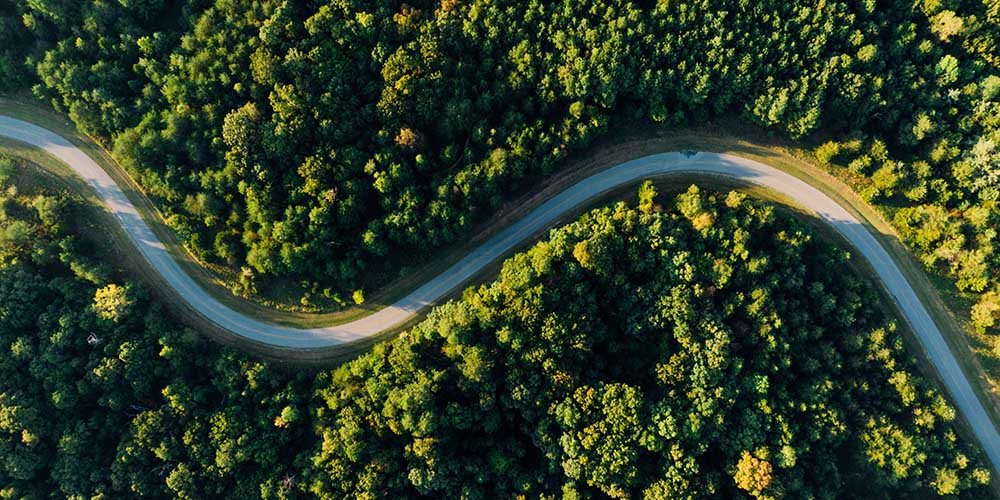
column 14, row 44
column 734, row 363
column 317, row 140
column 103, row 396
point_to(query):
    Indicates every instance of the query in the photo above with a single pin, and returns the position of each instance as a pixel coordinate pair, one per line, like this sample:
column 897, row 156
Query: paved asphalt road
column 625, row 173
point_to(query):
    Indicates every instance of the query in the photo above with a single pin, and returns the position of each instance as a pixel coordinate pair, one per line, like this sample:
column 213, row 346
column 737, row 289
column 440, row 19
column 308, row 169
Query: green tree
column 752, row 474
column 113, row 302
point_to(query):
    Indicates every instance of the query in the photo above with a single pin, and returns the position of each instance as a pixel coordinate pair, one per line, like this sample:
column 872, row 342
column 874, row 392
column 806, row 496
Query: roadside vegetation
column 312, row 143
column 311, row 152
column 741, row 359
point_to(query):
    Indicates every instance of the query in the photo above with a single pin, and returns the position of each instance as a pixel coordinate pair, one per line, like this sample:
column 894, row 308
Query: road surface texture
column 546, row 214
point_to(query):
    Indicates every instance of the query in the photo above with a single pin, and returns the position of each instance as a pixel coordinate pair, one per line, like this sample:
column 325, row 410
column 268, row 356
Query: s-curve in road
column 497, row 246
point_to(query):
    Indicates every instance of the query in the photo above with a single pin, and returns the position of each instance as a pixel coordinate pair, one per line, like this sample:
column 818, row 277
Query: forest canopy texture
column 319, row 140
column 743, row 359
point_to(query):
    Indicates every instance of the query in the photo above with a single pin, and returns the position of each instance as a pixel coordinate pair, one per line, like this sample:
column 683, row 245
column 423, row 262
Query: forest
column 741, row 367
column 317, row 141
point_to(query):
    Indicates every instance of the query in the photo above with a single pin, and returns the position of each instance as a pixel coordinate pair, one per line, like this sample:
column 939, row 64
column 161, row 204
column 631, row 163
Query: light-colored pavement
column 629, row 172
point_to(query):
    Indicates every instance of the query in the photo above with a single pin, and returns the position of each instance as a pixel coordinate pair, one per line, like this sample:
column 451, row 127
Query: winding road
column 540, row 218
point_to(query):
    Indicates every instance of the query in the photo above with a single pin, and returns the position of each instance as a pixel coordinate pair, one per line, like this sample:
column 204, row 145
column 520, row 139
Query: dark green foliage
column 102, row 394
column 731, row 357
column 15, row 42
column 317, row 140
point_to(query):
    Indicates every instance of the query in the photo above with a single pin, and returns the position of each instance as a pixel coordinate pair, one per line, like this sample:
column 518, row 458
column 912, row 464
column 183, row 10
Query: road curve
column 631, row 171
